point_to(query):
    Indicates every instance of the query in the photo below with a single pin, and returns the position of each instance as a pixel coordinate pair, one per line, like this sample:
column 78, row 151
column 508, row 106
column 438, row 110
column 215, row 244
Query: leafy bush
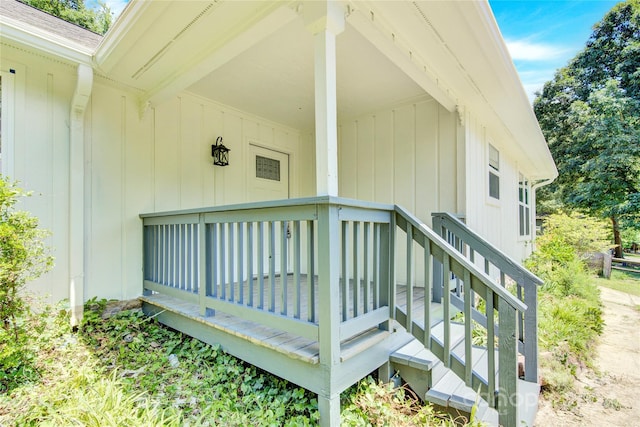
column 570, row 315
column 23, row 257
column 377, row 404
column 117, row 371
column 202, row 383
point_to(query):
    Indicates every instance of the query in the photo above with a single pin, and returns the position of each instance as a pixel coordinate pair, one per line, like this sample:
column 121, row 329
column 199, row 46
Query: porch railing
column 325, row 269
column 506, row 271
column 476, row 364
column 267, row 262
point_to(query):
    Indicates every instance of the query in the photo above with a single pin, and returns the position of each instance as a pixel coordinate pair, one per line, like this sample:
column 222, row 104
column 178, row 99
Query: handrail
column 526, row 283
column 482, row 246
column 283, row 203
column 486, row 280
column 466, row 362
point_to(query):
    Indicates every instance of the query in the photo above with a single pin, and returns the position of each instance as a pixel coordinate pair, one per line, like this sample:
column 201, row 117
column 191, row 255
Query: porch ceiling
column 252, row 55
column 275, row 78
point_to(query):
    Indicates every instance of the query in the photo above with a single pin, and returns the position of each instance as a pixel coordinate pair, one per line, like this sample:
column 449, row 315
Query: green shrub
column 23, row 257
column 570, row 314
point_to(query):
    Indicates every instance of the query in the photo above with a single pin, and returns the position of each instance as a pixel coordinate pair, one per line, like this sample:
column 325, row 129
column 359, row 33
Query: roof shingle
column 29, row 15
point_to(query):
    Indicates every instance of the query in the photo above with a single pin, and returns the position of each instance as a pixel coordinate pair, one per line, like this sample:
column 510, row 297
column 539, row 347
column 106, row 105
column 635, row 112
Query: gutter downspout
column 534, row 187
column 79, row 103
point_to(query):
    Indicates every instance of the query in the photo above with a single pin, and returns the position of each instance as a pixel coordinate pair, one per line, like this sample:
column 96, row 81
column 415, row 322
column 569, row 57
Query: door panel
column 268, row 179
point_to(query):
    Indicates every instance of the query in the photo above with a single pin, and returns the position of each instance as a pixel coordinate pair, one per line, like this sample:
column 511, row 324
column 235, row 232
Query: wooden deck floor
column 293, row 346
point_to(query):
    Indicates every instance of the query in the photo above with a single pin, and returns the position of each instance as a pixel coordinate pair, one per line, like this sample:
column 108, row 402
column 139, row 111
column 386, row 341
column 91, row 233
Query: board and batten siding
column 406, row 155
column 160, row 160
column 42, row 94
column 163, row 162
column 495, row 220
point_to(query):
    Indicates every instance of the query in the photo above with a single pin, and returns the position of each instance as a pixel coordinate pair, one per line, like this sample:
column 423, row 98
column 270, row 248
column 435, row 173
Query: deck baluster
column 344, row 291
column 250, row 261
column 311, row 289
column 446, row 307
column 272, row 266
column 283, row 267
column 296, row 269
column 261, row 265
column 356, row 269
column 365, row 268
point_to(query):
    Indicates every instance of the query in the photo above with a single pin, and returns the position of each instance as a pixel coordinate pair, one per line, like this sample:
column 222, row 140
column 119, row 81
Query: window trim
column 492, row 170
column 524, row 205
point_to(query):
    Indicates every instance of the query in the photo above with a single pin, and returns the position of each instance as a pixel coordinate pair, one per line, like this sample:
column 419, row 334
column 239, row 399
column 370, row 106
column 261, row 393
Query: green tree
column 590, row 116
column 23, row 254
column 76, row 12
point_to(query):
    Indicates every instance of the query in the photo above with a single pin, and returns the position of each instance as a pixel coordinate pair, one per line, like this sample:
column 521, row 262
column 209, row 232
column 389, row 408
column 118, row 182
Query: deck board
column 278, row 340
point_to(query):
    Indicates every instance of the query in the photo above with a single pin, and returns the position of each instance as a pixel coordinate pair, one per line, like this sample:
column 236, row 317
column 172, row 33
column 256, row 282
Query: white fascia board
column 517, row 118
column 28, row 35
column 116, row 41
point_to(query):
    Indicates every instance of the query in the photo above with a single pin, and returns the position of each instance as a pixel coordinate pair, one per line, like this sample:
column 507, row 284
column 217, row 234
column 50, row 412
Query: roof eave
column 33, row 37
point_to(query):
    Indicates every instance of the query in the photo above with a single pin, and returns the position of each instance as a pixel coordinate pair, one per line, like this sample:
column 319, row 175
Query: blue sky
column 542, row 36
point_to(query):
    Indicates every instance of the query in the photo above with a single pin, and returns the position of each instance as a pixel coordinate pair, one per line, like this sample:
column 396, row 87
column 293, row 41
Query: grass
column 117, row 372
column 621, row 281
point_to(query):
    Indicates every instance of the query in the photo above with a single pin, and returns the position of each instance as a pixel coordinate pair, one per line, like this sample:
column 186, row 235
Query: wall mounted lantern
column 220, row 153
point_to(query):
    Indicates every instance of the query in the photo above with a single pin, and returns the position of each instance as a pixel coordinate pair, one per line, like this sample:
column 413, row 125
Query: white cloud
column 116, row 6
column 534, row 80
column 523, row 50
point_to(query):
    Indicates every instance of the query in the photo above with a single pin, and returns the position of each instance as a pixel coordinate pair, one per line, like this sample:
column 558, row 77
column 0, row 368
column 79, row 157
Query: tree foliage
column 590, row 116
column 23, row 257
column 76, row 12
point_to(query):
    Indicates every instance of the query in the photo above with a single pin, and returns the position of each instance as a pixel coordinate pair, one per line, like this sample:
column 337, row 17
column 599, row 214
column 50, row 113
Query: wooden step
column 479, row 357
column 456, row 333
column 452, row 392
column 414, row 354
column 361, row 343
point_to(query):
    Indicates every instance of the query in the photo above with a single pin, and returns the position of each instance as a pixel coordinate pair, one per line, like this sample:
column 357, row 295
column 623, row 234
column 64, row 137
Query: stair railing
column 506, row 270
column 476, row 366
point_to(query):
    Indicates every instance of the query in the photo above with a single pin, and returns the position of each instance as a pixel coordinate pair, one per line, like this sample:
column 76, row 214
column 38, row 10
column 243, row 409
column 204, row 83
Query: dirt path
column 611, row 398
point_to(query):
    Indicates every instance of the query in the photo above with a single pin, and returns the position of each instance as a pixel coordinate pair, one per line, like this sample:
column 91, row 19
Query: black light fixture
column 220, row 153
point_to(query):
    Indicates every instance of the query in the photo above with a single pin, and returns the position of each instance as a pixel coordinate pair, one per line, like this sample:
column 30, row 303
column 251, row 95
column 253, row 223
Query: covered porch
column 308, row 289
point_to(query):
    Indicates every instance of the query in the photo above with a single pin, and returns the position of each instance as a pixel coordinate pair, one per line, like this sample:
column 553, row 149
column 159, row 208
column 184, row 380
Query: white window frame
column 8, row 123
column 524, row 207
column 493, row 169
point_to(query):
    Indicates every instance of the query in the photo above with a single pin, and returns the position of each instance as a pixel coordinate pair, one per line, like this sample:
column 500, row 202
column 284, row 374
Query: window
column 267, row 168
column 494, row 172
column 524, row 207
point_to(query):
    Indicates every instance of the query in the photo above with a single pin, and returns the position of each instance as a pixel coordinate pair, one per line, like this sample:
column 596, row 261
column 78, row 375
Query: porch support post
column 78, row 106
column 328, row 311
column 325, row 19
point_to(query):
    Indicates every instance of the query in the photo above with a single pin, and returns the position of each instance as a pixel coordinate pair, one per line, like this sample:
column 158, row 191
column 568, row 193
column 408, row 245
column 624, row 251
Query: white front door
column 268, row 179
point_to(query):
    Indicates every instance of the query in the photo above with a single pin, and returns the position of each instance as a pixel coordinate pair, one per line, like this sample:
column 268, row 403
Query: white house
column 415, row 104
